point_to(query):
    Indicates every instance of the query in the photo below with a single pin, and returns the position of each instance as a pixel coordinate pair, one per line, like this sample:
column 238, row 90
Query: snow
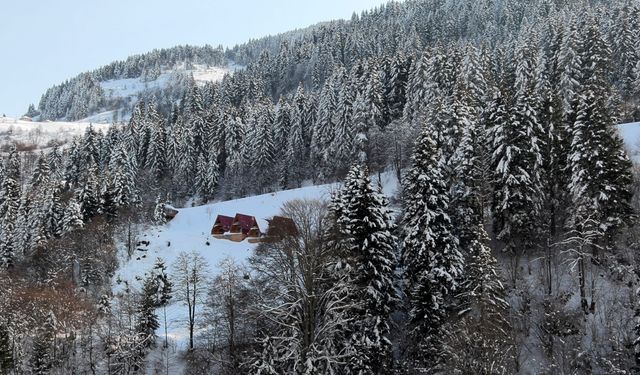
column 630, row 134
column 42, row 134
column 128, row 87
column 190, row 231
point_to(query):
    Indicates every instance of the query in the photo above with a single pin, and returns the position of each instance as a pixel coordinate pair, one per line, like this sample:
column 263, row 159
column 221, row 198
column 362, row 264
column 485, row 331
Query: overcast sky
column 45, row 42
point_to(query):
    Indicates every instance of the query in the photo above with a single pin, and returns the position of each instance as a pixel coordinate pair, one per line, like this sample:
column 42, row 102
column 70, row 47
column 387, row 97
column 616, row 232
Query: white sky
column 45, row 42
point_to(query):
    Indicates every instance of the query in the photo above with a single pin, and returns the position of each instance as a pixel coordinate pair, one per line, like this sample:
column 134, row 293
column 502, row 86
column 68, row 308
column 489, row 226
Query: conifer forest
column 454, row 194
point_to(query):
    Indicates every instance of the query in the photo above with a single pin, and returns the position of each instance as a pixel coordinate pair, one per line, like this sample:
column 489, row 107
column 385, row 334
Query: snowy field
column 190, row 231
column 630, row 133
column 41, row 134
column 132, row 88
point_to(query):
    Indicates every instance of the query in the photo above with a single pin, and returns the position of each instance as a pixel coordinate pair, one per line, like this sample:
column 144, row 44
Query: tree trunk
column 581, row 279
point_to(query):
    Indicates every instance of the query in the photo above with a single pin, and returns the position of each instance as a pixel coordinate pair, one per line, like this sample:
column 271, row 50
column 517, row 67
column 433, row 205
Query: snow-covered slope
column 131, row 89
column 190, row 231
column 41, row 134
column 630, row 133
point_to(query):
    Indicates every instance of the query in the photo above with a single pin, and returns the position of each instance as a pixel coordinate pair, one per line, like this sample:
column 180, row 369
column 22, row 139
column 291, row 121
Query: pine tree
column 467, row 200
column 342, row 147
column 159, row 217
column 323, row 131
column 72, row 218
column 480, row 340
column 147, row 319
column 7, row 362
column 89, row 195
column 52, row 212
column 263, row 150
column 364, row 221
column 9, row 205
column 432, row 261
column 42, row 356
column 600, row 169
column 157, row 155
column 164, row 290
column 296, row 155
column 517, row 161
column 123, row 172
column 417, row 90
column 41, row 173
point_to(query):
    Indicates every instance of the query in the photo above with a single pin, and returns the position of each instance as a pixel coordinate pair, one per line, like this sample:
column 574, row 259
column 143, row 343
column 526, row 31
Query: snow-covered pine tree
column 323, row 130
column 600, row 169
column 416, row 89
column 517, row 161
column 147, row 319
column 89, row 195
column 296, row 157
column 52, row 212
column 479, row 342
column 7, row 361
column 72, row 218
column 41, row 173
column 123, row 171
column 157, row 154
column 362, row 122
column 342, row 147
column 159, row 217
column 164, row 290
column 396, row 92
column 364, row 222
column 433, row 264
column 9, row 205
column 263, row 151
column 467, row 177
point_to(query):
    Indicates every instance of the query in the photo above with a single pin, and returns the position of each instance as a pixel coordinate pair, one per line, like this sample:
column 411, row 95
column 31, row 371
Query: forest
column 510, row 249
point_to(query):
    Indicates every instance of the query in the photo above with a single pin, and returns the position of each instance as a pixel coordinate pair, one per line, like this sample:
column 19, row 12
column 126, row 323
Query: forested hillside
column 83, row 95
column 510, row 249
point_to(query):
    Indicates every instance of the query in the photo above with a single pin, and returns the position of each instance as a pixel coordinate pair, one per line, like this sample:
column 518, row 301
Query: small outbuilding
column 222, row 225
column 169, row 212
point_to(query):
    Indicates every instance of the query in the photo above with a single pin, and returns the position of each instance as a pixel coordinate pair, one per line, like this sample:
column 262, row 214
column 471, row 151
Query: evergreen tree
column 480, row 340
column 342, row 147
column 72, row 218
column 42, row 356
column 432, row 261
column 123, row 172
column 517, row 161
column 157, row 155
column 41, row 173
column 52, row 212
column 364, row 221
column 158, row 212
column 7, row 362
column 600, row 169
column 89, row 195
column 147, row 319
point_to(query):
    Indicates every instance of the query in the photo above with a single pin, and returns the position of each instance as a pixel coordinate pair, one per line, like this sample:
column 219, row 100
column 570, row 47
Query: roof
column 224, row 221
column 280, row 226
column 245, row 222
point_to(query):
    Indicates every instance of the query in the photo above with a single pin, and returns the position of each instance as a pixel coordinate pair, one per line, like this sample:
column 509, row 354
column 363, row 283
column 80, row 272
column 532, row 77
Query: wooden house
column 222, row 225
column 244, row 226
column 280, row 227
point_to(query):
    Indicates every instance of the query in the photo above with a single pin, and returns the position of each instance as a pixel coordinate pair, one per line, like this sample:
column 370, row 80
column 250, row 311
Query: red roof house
column 245, row 224
column 222, row 224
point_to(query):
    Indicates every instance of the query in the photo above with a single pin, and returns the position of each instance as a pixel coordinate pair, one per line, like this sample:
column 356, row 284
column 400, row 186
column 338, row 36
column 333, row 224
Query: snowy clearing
column 41, row 134
column 630, row 133
column 190, row 231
